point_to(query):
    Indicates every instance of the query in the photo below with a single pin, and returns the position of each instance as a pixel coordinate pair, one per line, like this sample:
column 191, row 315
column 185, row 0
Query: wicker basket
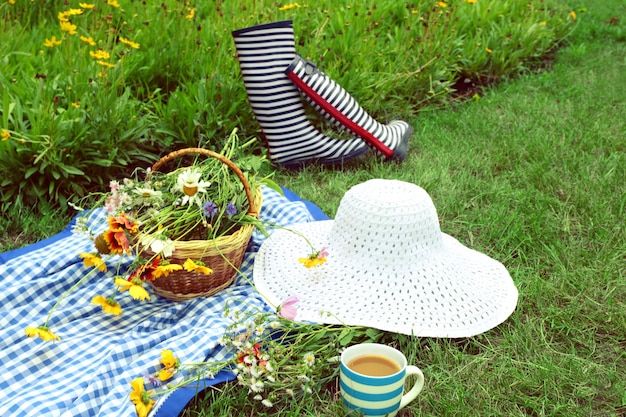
column 223, row 255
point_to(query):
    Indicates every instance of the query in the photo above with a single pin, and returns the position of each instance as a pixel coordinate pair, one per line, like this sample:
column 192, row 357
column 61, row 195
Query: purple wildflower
column 231, row 209
column 209, row 209
column 151, row 380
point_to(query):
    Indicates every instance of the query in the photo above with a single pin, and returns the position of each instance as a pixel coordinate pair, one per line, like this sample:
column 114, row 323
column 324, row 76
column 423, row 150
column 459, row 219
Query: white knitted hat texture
column 389, row 267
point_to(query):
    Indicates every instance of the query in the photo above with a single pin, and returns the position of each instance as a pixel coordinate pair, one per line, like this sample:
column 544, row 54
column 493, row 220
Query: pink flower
column 287, row 309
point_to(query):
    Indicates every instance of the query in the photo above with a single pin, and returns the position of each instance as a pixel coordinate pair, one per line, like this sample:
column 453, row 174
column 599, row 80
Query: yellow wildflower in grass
column 471, row 1
column 442, row 4
column 76, row 104
column 5, row 135
column 69, row 28
column 113, row 3
column 140, row 397
column 488, row 50
column 52, row 42
column 135, row 288
column 129, row 43
column 87, row 5
column 289, row 7
column 191, row 14
column 106, row 64
column 544, row 23
column 90, row 259
column 63, row 17
column 109, row 305
column 572, row 14
column 164, row 270
column 191, row 266
column 89, row 41
column 74, row 12
column 100, row 54
column 42, row 332
column 11, row 1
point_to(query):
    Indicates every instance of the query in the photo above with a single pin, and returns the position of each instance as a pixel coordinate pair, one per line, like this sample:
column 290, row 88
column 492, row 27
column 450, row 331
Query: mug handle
column 417, row 388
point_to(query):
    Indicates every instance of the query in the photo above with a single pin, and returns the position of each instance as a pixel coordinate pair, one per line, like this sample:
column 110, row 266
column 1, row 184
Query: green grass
column 531, row 173
column 134, row 80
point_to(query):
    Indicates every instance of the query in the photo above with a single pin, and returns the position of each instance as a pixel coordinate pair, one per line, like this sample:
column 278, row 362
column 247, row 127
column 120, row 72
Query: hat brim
column 455, row 292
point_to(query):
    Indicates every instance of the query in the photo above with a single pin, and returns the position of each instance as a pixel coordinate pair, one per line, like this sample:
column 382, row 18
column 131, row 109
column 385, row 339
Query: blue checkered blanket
column 88, row 372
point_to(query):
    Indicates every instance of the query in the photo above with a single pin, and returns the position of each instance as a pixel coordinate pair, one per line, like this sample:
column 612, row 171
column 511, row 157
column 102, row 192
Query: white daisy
column 309, row 359
column 146, row 194
column 190, row 185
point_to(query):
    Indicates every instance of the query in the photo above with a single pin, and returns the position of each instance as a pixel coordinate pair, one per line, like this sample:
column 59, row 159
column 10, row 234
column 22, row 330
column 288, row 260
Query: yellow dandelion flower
column 164, row 270
column 90, row 259
column 191, row 266
column 106, row 64
column 572, row 14
column 5, row 135
column 113, row 3
column 52, row 42
column 11, row 1
column 42, row 332
column 442, row 4
column 140, row 397
column 88, row 41
column 135, row 288
column 87, row 5
column 129, row 43
column 289, row 7
column 191, row 14
column 69, row 28
column 109, row 305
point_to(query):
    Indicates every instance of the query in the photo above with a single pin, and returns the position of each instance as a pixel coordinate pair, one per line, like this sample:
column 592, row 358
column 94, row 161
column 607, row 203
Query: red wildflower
column 123, row 222
column 146, row 271
column 116, row 237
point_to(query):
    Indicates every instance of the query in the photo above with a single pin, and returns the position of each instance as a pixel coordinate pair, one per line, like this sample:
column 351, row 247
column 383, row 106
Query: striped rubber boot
column 335, row 104
column 264, row 53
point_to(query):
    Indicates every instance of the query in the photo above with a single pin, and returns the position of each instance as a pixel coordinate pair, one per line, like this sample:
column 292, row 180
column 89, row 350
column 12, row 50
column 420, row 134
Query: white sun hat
column 389, row 267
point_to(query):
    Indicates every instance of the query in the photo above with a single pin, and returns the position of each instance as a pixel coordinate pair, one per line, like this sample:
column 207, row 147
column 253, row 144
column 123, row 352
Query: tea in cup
column 372, row 378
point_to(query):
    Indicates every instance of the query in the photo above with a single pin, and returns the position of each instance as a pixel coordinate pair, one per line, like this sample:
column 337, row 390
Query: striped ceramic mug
column 372, row 379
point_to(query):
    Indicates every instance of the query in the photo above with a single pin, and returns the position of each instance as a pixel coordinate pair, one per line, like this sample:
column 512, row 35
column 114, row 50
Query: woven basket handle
column 252, row 210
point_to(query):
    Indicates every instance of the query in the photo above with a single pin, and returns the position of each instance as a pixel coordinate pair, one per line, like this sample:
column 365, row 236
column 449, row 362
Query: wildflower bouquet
column 279, row 362
column 181, row 227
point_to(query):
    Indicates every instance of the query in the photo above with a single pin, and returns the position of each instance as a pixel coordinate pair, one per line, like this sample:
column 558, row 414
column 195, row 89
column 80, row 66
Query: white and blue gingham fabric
column 88, row 372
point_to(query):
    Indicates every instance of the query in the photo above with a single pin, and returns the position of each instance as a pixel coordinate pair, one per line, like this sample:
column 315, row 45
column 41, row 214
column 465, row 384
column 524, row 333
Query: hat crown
column 386, row 223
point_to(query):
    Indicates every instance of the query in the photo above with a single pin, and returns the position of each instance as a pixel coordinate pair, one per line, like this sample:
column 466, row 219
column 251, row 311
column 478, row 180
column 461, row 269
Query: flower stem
column 66, row 293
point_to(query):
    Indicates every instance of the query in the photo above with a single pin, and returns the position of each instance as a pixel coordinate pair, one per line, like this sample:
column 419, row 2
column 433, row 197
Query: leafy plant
column 92, row 89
